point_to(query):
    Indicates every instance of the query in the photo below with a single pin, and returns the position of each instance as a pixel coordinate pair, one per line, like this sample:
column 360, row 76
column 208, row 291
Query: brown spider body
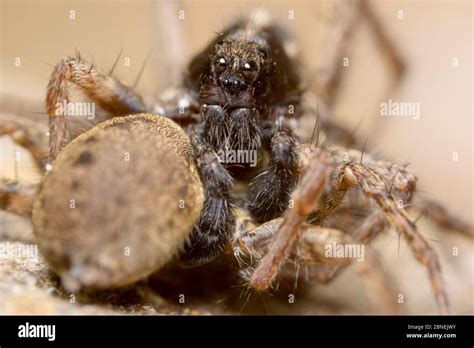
column 246, row 85
column 239, row 95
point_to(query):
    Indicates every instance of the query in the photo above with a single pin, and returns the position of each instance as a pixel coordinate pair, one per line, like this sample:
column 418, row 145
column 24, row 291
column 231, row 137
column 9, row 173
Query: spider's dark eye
column 221, row 64
column 249, row 69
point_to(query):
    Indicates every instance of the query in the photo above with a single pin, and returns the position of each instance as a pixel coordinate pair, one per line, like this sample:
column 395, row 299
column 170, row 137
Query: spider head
column 238, row 65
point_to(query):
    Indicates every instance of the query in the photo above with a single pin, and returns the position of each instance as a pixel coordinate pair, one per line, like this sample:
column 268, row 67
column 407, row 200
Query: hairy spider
column 246, row 86
column 242, row 97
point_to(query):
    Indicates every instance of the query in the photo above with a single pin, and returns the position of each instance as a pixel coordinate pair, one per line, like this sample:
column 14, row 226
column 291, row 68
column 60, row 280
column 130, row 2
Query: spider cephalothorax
column 241, row 68
column 234, row 80
column 239, row 76
column 247, row 85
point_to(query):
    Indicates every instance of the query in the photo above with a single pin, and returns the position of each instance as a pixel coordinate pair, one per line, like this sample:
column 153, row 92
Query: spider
column 243, row 95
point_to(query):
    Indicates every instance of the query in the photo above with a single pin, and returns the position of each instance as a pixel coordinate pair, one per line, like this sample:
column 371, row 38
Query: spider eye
column 221, row 64
column 249, row 69
column 249, row 66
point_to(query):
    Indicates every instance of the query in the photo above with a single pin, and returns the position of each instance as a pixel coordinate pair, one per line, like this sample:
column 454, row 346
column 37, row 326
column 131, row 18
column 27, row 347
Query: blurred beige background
column 428, row 37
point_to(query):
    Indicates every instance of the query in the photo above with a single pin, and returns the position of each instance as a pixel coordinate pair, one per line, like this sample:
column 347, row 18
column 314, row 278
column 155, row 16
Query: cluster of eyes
column 248, row 66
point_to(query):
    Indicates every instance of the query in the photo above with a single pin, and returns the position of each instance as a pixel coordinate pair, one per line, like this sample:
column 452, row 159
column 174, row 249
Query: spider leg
column 16, row 199
column 444, row 219
column 374, row 187
column 270, row 190
column 23, row 134
column 311, row 249
column 104, row 90
column 305, row 196
column 386, row 46
column 211, row 233
column 313, row 245
column 349, row 14
column 371, row 181
column 328, row 80
column 371, row 227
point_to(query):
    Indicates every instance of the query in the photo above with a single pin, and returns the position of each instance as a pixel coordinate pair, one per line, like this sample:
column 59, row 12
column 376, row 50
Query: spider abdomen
column 119, row 202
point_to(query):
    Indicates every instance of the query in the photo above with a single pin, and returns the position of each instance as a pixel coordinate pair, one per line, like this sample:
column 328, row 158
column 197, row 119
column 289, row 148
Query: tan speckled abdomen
column 119, row 202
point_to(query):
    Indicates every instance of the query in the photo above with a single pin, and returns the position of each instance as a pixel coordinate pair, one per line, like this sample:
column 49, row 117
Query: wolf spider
column 243, row 92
